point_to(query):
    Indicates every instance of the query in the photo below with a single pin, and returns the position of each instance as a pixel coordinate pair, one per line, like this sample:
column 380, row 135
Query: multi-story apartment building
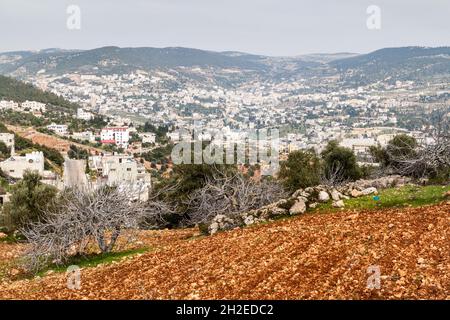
column 84, row 115
column 60, row 129
column 115, row 135
column 121, row 170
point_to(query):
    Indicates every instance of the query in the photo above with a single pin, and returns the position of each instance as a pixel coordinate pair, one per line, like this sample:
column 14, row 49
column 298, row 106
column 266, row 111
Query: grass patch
column 10, row 238
column 93, row 260
column 407, row 196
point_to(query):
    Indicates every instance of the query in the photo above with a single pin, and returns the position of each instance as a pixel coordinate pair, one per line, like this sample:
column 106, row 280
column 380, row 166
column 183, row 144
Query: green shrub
column 28, row 200
column 340, row 162
column 301, row 169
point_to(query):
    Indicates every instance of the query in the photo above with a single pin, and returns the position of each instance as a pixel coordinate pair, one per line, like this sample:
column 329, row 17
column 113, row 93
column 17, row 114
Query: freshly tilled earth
column 314, row 256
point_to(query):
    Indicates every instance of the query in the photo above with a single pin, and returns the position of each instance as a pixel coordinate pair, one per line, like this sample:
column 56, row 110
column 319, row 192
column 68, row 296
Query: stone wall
column 303, row 199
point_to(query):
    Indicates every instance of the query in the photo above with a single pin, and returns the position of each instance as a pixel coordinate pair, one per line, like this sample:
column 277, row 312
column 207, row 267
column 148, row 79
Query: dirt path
column 47, row 140
column 314, row 256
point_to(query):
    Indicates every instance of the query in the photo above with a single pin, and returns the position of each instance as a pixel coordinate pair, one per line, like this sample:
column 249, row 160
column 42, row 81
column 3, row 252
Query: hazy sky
column 272, row 27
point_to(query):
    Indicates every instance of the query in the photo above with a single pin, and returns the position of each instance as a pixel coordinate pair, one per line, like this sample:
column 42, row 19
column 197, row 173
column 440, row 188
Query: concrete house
column 15, row 166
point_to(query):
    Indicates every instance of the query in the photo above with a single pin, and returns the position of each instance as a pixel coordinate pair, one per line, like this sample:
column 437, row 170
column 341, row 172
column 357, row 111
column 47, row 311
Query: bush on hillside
column 29, row 201
column 302, row 169
column 339, row 163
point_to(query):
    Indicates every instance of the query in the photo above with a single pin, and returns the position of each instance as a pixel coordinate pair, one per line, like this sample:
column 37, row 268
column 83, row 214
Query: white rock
column 371, row 190
column 3, row 235
column 323, row 196
column 278, row 211
column 356, row 193
column 297, row 193
column 338, row 204
column 248, row 220
column 213, row 228
column 313, row 205
column 298, row 207
column 335, row 195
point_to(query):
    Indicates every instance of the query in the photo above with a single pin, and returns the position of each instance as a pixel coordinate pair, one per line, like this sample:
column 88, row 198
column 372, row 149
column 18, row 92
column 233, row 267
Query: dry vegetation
column 313, row 256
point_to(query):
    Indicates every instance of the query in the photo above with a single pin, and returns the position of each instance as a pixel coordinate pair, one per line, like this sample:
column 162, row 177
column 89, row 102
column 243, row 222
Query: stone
column 371, row 190
column 298, row 207
column 279, row 203
column 309, row 190
column 3, row 235
column 213, row 228
column 356, row 193
column 221, row 222
column 14, row 272
column 278, row 211
column 446, row 194
column 338, row 204
column 324, row 196
column 335, row 195
column 297, row 193
column 313, row 205
column 248, row 220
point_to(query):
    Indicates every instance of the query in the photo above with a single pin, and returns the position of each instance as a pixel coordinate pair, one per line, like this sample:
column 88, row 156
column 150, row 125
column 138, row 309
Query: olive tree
column 80, row 218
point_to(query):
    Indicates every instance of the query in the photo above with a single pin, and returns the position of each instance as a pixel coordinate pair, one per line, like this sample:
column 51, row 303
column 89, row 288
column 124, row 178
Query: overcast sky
column 271, row 27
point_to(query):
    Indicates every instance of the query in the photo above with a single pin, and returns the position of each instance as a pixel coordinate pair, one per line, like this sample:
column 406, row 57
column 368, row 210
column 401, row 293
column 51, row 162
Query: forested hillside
column 11, row 89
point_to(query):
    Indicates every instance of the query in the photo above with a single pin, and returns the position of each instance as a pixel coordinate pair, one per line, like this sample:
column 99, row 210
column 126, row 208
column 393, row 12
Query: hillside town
column 247, row 153
column 308, row 114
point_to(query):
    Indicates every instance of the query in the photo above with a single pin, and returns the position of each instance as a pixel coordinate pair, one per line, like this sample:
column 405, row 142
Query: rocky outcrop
column 306, row 198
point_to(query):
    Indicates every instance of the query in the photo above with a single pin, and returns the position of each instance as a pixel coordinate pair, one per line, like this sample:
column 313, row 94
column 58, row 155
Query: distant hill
column 210, row 67
column 12, row 89
column 410, row 63
column 115, row 59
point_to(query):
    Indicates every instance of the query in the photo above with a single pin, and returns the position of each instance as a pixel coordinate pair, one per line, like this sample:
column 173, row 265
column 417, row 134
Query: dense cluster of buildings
column 310, row 111
column 306, row 114
column 26, row 106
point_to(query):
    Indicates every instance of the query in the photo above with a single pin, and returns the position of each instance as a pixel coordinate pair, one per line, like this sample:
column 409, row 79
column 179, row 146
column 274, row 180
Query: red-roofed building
column 115, row 135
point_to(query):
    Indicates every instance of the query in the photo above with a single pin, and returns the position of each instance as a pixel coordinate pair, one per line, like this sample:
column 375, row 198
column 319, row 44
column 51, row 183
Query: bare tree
column 425, row 161
column 230, row 195
column 334, row 176
column 82, row 218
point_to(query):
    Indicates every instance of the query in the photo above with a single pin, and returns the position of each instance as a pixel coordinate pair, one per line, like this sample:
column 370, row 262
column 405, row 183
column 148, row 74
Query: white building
column 34, row 106
column 15, row 166
column 84, row 115
column 360, row 146
column 8, row 140
column 148, row 137
column 175, row 136
column 122, row 170
column 115, row 135
column 8, row 105
column 85, row 135
column 60, row 129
